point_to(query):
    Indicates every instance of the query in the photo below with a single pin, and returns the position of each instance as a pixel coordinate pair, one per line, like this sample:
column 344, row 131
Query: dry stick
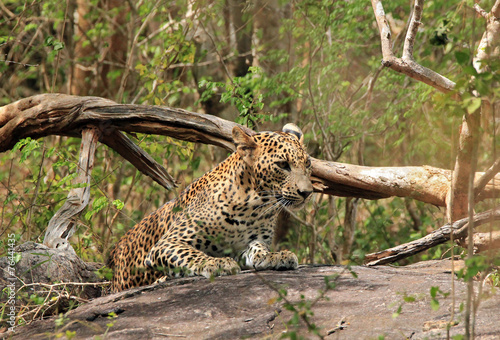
column 470, row 324
column 438, row 236
column 488, row 42
column 63, row 284
column 58, row 59
column 125, row 200
column 35, row 194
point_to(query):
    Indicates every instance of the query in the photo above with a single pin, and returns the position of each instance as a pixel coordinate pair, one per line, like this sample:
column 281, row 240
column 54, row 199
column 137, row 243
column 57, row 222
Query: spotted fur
column 228, row 214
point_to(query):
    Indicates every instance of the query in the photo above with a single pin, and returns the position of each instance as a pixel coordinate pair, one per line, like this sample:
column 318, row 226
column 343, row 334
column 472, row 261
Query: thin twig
column 221, row 59
column 283, row 297
column 64, row 284
column 480, row 11
column 60, row 51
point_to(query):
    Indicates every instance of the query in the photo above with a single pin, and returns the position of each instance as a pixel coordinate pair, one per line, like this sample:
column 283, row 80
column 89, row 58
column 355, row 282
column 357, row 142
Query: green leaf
column 118, row 204
column 462, row 57
column 434, row 291
column 409, row 299
column 70, row 334
column 58, row 46
column 434, row 304
column 474, row 104
column 397, row 312
column 97, row 206
column 49, row 41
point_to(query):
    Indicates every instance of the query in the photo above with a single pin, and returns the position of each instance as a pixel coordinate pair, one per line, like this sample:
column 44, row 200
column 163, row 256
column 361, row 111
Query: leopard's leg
column 258, row 256
column 179, row 258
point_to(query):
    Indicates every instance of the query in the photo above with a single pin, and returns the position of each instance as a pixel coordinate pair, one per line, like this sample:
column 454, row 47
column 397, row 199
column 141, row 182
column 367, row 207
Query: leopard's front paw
column 219, row 266
column 285, row 259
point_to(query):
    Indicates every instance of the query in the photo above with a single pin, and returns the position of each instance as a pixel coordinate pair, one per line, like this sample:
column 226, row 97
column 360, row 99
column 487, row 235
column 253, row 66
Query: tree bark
column 483, row 241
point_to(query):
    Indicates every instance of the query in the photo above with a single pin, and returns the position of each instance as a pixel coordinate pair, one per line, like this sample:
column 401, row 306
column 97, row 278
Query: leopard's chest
column 230, row 234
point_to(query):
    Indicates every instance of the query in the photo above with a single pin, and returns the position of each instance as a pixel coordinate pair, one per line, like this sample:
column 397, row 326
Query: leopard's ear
column 245, row 145
column 295, row 131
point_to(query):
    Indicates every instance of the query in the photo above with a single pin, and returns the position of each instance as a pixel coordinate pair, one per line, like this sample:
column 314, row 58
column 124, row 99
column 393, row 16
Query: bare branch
column 411, row 34
column 138, row 157
column 384, row 29
column 495, row 10
column 480, row 11
column 123, row 82
column 490, row 39
column 480, row 184
column 406, row 65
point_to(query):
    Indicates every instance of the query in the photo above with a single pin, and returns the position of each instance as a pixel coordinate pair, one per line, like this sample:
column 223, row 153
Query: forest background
column 259, row 63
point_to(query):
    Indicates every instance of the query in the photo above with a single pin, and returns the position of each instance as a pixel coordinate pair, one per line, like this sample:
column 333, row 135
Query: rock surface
column 41, row 264
column 245, row 306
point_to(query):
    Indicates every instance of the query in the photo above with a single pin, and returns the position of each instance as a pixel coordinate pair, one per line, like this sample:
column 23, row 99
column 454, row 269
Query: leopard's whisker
column 275, row 205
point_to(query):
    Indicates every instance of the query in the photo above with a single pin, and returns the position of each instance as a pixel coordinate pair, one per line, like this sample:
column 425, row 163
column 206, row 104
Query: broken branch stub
column 61, row 225
column 117, row 141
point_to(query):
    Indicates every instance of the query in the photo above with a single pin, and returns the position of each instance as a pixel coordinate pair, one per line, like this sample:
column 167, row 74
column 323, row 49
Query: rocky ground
column 246, row 306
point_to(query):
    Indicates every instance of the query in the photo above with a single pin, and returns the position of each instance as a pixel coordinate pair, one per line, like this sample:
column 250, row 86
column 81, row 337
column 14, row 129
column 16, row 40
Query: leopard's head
column 280, row 165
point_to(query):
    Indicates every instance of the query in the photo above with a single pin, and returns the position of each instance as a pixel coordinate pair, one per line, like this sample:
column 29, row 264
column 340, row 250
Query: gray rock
column 245, row 306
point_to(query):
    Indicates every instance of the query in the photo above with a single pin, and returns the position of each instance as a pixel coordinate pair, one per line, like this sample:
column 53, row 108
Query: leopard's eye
column 308, row 163
column 283, row 165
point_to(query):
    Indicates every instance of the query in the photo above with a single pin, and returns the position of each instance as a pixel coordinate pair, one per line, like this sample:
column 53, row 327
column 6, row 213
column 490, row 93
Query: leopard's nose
column 305, row 193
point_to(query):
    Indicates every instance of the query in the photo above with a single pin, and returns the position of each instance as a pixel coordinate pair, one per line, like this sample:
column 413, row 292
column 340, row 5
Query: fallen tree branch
column 138, row 157
column 58, row 114
column 438, row 236
column 483, row 241
column 423, row 183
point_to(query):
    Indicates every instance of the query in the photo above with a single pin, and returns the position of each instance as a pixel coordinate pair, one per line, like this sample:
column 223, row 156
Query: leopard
column 223, row 221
